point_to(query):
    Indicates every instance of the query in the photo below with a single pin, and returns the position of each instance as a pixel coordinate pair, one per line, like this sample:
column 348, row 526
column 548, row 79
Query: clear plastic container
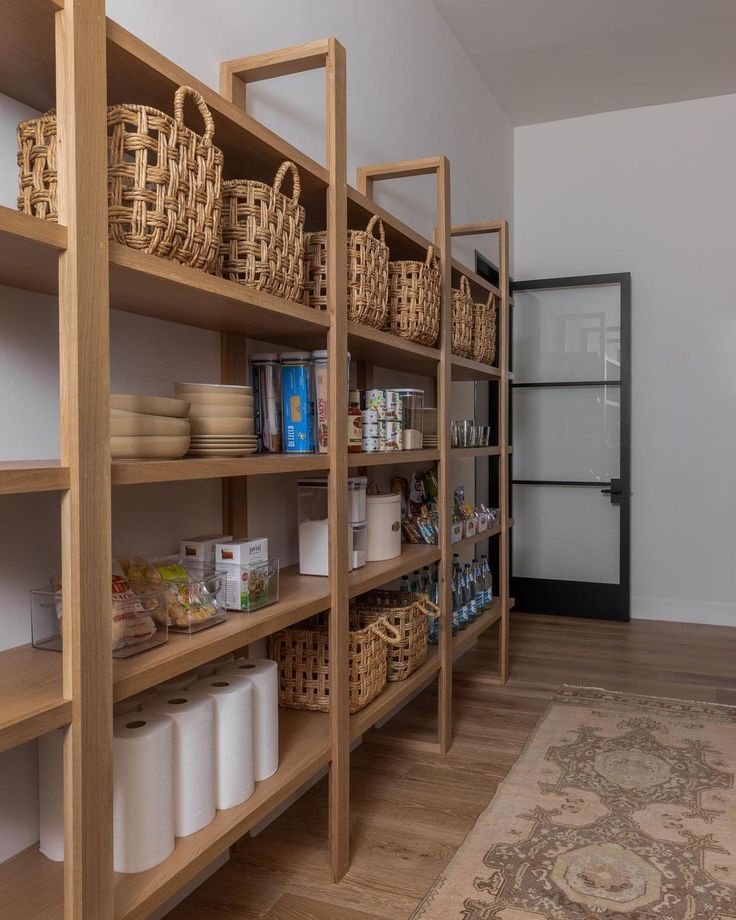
column 250, row 587
column 312, row 508
column 359, row 543
column 412, row 418
column 456, row 531
column 138, row 624
column 357, row 489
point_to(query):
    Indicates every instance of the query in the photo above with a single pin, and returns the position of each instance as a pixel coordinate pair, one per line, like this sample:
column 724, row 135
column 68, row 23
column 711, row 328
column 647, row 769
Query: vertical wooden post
column 503, row 441
column 233, row 369
column 81, row 82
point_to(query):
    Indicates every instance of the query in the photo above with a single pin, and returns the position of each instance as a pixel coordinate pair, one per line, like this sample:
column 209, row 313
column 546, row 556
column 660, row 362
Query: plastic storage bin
column 383, row 518
column 312, row 504
column 250, row 587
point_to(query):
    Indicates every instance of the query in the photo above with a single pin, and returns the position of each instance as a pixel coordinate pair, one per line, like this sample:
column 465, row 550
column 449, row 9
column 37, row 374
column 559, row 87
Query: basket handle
column 288, row 166
column 430, row 256
column 428, row 606
column 209, row 124
column 491, row 302
column 465, row 286
column 384, row 630
column 371, row 225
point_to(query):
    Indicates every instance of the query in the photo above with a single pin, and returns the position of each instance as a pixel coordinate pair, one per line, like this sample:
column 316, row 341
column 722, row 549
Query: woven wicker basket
column 303, row 658
column 367, row 273
column 484, row 330
column 462, row 319
column 414, row 298
column 163, row 180
column 409, row 614
column 263, row 235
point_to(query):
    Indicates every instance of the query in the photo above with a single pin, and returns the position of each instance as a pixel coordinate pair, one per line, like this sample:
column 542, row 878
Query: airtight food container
column 357, row 487
column 383, row 519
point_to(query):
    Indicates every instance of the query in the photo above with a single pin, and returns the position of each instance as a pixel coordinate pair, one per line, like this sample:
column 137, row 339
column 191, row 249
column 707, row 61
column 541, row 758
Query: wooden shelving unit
column 67, row 56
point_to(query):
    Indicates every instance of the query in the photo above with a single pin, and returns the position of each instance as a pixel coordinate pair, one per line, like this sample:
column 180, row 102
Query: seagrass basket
column 163, row 179
column 263, row 234
column 409, row 614
column 462, row 319
column 302, row 654
column 484, row 330
column 414, row 298
column 367, row 273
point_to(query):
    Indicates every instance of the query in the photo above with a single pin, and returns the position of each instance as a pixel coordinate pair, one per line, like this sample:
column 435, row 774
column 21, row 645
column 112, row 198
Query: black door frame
column 584, row 599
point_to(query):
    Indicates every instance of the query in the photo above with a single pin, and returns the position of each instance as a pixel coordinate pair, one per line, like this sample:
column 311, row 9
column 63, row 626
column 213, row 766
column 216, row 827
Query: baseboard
column 682, row 611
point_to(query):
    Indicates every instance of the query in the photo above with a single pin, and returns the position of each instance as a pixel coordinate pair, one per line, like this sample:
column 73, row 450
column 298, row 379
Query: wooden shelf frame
column 64, row 53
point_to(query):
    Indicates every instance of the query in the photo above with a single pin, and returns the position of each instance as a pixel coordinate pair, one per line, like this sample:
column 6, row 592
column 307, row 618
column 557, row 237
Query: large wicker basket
column 263, row 235
column 414, row 298
column 302, row 654
column 462, row 319
column 163, row 179
column 409, row 614
column 484, row 330
column 367, row 273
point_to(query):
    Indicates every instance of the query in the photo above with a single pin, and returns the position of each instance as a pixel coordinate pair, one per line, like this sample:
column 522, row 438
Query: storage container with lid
column 357, row 487
column 312, row 511
column 383, row 519
column 412, row 413
column 297, row 400
column 266, row 379
column 359, row 535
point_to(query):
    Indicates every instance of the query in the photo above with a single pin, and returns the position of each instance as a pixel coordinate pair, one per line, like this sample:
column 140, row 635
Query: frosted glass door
column 570, row 424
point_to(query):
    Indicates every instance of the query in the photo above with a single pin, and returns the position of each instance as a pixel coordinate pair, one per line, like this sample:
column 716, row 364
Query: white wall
column 411, row 93
column 652, row 191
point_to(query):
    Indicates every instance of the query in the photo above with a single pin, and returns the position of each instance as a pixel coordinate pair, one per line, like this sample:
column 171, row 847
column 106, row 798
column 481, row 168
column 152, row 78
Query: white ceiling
column 550, row 59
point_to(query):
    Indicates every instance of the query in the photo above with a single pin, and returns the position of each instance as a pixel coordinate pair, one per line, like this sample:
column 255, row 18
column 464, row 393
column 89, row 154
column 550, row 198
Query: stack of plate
column 221, row 417
column 148, row 428
column 429, row 439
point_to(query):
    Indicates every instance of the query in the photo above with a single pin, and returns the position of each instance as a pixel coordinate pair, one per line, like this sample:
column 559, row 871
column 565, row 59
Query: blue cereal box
column 298, row 402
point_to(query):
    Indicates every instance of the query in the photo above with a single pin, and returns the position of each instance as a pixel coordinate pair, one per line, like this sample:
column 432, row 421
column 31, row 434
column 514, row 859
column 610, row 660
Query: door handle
column 615, row 491
column 612, row 491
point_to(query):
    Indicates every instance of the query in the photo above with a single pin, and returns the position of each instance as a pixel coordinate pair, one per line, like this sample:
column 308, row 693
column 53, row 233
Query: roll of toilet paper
column 51, row 794
column 177, row 683
column 143, row 795
column 212, row 667
column 265, row 678
column 193, row 776
column 233, row 699
column 134, row 703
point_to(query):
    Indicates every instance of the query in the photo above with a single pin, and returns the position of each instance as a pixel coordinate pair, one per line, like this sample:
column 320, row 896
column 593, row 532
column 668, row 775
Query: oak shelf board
column 29, row 252
column 480, row 287
column 31, row 694
column 27, row 51
column 391, row 458
column 463, row 640
column 467, row 369
column 300, row 596
column 304, row 749
column 374, row 346
column 133, row 472
column 32, row 886
column 476, row 538
column 155, row 287
column 464, row 452
column 374, row 574
column 394, row 694
column 32, row 476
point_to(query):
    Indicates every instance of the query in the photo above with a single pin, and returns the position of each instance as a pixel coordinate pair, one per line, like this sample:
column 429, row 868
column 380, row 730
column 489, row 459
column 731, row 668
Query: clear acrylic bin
column 250, row 587
column 312, row 504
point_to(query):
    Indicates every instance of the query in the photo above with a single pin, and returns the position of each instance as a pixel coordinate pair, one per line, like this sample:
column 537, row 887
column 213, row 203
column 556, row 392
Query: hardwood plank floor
column 411, row 810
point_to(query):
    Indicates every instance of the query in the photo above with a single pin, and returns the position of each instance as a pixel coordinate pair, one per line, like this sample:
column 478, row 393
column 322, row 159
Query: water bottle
column 480, row 594
column 425, row 584
column 404, row 584
column 414, row 586
column 470, row 593
column 456, row 604
column 487, row 581
column 462, row 599
column 432, row 589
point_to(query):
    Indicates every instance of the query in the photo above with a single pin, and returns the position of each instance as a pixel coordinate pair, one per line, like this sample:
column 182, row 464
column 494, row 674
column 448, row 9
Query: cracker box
column 203, row 548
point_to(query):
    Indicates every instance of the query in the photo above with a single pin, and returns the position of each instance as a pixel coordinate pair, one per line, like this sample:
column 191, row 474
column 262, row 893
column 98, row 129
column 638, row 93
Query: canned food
column 370, row 431
column 371, row 445
column 375, row 399
column 382, row 435
column 392, row 406
column 393, row 436
column 370, row 417
column 297, row 387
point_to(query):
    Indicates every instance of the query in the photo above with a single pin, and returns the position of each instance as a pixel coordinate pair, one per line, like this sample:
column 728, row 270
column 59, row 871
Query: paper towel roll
column 51, row 794
column 177, row 683
column 193, row 777
column 134, row 703
column 142, row 792
column 212, row 667
column 233, row 699
column 264, row 674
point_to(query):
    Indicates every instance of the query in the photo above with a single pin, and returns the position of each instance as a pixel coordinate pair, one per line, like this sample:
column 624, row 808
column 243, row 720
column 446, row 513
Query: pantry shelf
column 31, row 695
column 468, row 636
column 484, row 287
column 29, row 252
column 403, row 241
column 463, row 452
column 32, row 476
column 466, row 369
column 304, row 749
column 374, row 574
column 476, row 538
column 27, row 51
column 373, row 346
column 32, row 886
column 130, row 472
column 396, row 693
column 390, row 458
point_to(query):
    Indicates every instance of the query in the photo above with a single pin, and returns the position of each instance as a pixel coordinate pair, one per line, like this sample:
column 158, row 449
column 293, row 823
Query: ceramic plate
column 222, row 426
column 212, row 410
column 151, row 405
column 222, row 452
column 217, row 388
column 225, row 399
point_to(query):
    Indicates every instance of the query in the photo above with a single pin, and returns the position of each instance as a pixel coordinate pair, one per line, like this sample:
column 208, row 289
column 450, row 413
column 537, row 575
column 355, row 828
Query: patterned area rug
column 620, row 807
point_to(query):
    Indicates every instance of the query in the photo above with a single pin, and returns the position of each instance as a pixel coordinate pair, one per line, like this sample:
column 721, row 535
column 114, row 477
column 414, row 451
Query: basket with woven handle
column 414, row 299
column 409, row 614
column 484, row 330
column 462, row 319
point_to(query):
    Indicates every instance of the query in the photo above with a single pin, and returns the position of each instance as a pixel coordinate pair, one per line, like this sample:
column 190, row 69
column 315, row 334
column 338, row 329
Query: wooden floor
column 411, row 810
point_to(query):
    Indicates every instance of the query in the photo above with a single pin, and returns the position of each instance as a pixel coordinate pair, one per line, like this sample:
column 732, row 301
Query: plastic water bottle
column 404, row 584
column 462, row 599
column 480, row 594
column 470, row 593
column 425, row 582
column 414, row 586
column 487, row 581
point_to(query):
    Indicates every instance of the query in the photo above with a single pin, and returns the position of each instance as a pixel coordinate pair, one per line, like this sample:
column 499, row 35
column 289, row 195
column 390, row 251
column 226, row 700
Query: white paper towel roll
column 51, row 794
column 142, row 793
column 177, row 683
column 134, row 703
column 233, row 699
column 193, row 777
column 264, row 674
column 212, row 667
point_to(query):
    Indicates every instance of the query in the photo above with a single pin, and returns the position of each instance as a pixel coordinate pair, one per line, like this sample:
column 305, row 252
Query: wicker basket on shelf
column 367, row 273
column 462, row 319
column 163, row 179
column 302, row 654
column 410, row 615
column 263, row 234
column 414, row 299
column 484, row 330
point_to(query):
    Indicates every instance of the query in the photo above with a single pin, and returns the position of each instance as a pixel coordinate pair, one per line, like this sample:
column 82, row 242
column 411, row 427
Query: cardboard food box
column 203, row 548
column 236, row 557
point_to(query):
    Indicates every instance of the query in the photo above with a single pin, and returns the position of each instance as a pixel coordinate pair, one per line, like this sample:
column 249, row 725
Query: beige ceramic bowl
column 208, row 411
column 221, row 426
column 151, row 405
column 226, row 399
column 150, row 425
column 148, row 448
column 212, row 388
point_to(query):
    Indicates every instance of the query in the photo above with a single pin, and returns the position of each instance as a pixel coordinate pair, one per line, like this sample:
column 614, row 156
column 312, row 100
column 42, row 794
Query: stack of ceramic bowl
column 148, row 428
column 429, row 439
column 221, row 417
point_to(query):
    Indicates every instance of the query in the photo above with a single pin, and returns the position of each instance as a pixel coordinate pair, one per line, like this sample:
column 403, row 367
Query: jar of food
column 412, row 416
column 266, row 378
column 297, row 400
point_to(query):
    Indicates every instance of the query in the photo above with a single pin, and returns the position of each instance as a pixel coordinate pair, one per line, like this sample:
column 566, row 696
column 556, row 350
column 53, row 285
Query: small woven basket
column 303, row 658
column 409, row 614
column 484, row 330
column 263, row 235
column 462, row 319
column 414, row 297
column 367, row 273
column 163, row 179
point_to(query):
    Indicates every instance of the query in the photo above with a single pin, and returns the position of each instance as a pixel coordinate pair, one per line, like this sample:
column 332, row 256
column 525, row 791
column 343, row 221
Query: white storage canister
column 357, row 487
column 383, row 517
